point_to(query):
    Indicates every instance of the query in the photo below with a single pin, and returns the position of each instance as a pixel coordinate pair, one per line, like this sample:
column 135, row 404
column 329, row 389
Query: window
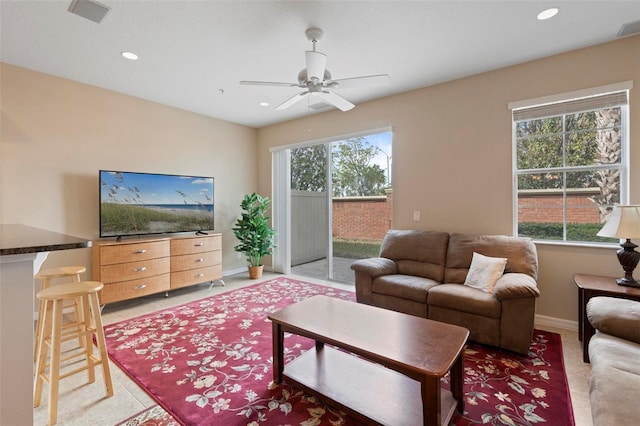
column 570, row 162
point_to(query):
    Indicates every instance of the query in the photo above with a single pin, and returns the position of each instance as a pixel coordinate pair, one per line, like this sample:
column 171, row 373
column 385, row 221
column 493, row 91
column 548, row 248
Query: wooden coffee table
column 394, row 380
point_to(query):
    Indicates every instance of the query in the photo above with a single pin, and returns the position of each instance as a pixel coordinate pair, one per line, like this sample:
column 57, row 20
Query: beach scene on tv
column 146, row 203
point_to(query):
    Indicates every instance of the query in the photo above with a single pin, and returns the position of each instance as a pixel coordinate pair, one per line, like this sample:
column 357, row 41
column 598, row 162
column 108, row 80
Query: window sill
column 608, row 246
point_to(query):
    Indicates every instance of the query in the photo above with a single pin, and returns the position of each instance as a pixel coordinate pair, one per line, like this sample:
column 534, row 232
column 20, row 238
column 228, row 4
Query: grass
column 123, row 219
column 583, row 232
column 356, row 249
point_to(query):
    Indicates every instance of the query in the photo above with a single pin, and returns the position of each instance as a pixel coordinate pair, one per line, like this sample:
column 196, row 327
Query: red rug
column 210, row 362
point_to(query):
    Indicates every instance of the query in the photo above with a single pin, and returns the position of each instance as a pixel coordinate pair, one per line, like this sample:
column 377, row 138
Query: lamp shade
column 624, row 222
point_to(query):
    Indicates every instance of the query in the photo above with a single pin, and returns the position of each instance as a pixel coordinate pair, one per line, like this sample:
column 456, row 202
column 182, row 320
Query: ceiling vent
column 91, row 10
column 629, row 28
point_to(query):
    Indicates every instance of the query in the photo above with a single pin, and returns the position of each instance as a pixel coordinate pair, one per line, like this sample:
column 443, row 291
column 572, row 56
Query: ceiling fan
column 317, row 82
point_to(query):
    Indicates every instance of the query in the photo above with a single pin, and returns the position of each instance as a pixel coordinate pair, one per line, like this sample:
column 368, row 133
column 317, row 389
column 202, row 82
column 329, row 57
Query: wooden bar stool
column 46, row 276
column 54, row 332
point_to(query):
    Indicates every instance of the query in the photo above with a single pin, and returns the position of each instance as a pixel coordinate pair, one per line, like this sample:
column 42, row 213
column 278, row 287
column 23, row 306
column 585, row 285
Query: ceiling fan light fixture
column 316, row 79
column 129, row 55
column 547, row 14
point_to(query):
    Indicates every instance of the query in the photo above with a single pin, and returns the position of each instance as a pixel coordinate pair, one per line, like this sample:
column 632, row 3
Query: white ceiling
column 193, row 53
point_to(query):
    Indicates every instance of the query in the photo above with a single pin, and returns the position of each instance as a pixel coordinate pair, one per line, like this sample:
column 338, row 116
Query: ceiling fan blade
column 316, row 64
column 268, row 83
column 335, row 100
column 370, row 80
column 292, row 100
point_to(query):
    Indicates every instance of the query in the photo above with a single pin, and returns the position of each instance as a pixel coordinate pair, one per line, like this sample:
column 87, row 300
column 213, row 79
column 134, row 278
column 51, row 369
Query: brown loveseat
column 422, row 273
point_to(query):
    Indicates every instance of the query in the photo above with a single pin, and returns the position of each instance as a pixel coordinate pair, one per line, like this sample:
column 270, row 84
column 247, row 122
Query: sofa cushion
column 618, row 317
column 520, row 253
column 614, row 396
column 404, row 287
column 463, row 298
column 611, row 351
column 485, row 271
column 419, row 253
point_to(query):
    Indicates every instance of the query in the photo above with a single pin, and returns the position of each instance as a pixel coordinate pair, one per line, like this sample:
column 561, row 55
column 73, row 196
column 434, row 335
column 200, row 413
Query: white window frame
column 552, row 104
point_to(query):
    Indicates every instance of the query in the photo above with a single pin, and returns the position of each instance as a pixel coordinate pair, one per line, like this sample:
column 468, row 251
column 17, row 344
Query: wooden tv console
column 140, row 267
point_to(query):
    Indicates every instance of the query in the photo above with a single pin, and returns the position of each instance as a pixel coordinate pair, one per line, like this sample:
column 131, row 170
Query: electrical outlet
column 416, row 215
column 239, row 255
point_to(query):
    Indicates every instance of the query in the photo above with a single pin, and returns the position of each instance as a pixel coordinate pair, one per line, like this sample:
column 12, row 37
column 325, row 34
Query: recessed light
column 547, row 14
column 129, row 55
column 264, row 104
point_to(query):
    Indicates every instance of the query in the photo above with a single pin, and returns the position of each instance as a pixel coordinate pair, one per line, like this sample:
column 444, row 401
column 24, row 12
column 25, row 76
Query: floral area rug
column 209, row 362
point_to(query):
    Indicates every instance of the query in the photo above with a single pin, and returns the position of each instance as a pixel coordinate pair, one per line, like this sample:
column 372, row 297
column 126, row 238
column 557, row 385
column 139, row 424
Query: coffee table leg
column 278, row 352
column 457, row 382
column 431, row 401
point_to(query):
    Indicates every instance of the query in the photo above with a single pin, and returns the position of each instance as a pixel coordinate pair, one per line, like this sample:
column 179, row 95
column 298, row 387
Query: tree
column 541, row 143
column 582, row 139
column 353, row 173
column 309, row 168
column 608, row 139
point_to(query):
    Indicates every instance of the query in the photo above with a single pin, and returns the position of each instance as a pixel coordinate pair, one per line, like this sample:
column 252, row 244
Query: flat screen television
column 134, row 203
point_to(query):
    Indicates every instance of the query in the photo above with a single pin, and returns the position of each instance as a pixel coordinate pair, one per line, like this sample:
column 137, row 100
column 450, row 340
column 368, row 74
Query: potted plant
column 254, row 233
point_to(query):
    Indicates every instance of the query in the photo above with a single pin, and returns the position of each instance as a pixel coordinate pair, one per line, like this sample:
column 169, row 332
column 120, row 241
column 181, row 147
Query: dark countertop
column 21, row 239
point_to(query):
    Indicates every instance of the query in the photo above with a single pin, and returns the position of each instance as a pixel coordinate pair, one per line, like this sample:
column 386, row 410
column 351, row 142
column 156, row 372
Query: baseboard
column 544, row 320
column 234, row 271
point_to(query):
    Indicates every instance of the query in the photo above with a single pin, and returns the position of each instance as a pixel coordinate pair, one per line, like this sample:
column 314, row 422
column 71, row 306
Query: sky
column 158, row 188
column 384, row 142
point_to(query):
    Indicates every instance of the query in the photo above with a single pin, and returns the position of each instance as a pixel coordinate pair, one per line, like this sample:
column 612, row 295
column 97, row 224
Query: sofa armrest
column 375, row 266
column 616, row 317
column 367, row 270
column 515, row 285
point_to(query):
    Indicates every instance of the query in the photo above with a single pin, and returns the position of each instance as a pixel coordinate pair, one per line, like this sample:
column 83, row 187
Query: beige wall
column 455, row 139
column 56, row 134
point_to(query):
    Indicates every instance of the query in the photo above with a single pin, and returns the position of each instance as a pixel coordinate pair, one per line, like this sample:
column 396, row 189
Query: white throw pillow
column 485, row 271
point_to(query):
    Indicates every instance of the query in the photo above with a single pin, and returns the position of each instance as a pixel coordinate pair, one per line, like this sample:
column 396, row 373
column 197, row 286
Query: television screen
column 147, row 203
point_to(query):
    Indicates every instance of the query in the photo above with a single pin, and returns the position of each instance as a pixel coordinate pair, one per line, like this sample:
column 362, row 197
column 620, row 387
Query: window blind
column 589, row 103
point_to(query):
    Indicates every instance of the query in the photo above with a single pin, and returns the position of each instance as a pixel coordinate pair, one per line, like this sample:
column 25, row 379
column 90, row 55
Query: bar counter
column 22, row 251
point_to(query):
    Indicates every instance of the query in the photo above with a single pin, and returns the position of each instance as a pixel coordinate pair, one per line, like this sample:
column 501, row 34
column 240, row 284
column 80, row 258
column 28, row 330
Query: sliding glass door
column 339, row 199
column 310, row 210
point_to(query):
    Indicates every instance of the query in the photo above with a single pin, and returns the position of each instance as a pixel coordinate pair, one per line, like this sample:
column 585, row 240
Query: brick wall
column 369, row 218
column 538, row 206
column 362, row 218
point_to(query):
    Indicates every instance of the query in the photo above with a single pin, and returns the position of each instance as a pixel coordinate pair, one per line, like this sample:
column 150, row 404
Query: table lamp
column 624, row 223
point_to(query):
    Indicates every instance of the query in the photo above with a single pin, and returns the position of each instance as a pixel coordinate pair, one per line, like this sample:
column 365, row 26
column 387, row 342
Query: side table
column 591, row 286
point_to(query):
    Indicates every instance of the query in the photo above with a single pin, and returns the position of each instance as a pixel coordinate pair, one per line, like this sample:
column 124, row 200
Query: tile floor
column 81, row 404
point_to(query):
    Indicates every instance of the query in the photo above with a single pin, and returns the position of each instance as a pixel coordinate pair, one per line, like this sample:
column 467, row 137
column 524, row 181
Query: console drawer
column 195, row 260
column 119, row 253
column 180, row 246
column 195, row 276
column 134, row 270
column 134, row 288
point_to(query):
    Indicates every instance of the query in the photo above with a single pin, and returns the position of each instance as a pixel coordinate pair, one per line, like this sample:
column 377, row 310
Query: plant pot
column 255, row 272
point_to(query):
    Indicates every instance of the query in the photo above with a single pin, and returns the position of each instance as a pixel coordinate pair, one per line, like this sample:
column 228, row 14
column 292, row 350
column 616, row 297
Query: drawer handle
column 199, row 245
column 199, row 275
column 200, row 260
column 140, row 269
column 140, row 287
column 141, row 251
